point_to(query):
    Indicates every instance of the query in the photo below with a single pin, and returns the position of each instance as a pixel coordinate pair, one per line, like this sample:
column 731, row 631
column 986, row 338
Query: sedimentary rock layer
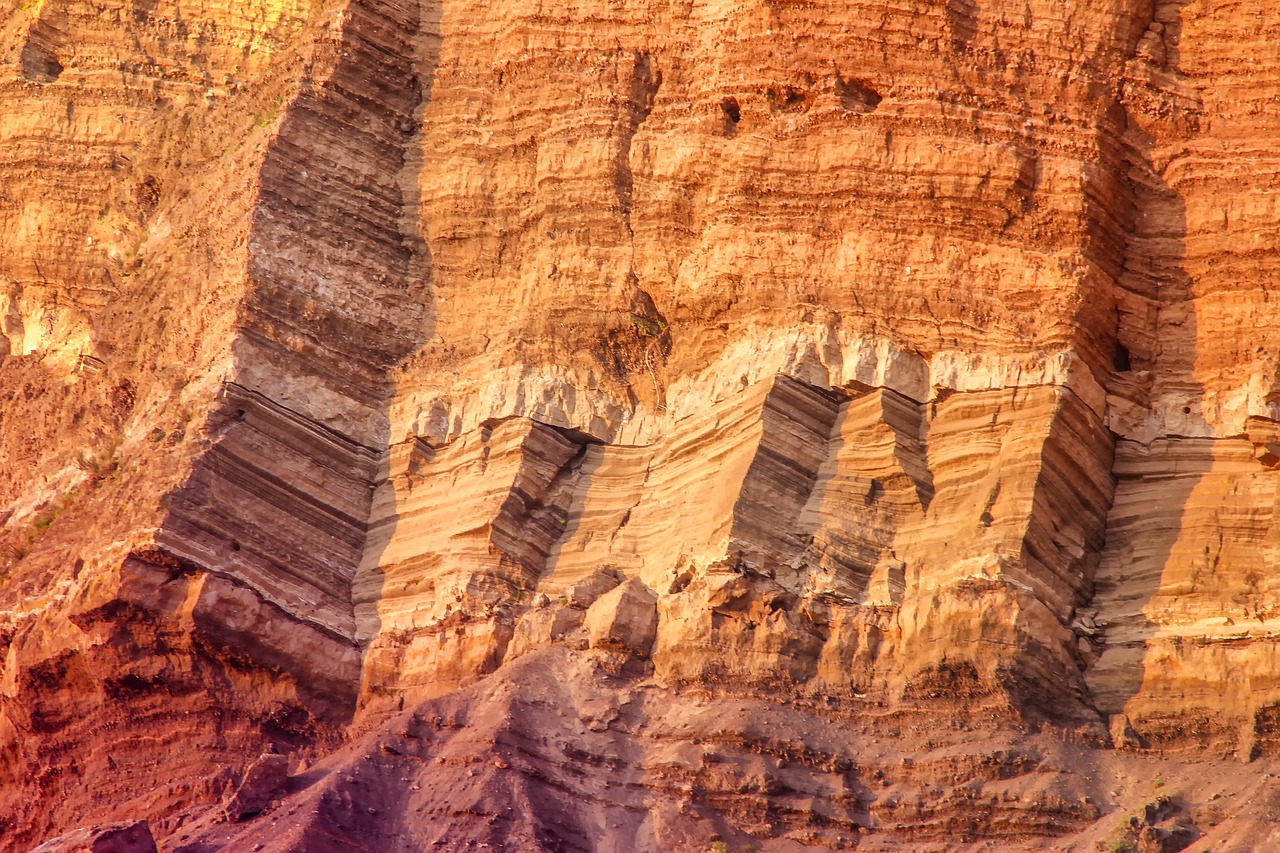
column 762, row 526
column 676, row 403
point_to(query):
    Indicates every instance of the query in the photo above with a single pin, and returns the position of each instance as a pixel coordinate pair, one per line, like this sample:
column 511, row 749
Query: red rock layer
column 787, row 379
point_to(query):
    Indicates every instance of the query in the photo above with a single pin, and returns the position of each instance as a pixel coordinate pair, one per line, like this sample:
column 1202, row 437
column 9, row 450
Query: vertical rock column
column 278, row 507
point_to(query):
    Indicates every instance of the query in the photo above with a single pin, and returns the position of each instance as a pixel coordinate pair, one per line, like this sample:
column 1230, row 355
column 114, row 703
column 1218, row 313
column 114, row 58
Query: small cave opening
column 787, row 99
column 1120, row 359
column 731, row 110
column 38, row 61
column 144, row 10
column 857, row 96
column 875, row 491
column 127, row 686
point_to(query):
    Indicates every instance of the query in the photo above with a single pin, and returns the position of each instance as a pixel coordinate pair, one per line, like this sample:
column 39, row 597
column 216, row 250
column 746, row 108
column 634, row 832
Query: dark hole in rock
column 144, row 9
column 129, row 685
column 856, row 96
column 235, row 546
column 39, row 64
column 731, row 109
column 787, row 99
column 1121, row 360
column 134, row 682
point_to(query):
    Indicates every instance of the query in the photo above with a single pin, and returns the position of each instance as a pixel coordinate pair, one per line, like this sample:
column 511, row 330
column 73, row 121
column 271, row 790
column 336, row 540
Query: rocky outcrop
column 646, row 426
column 625, row 618
column 768, row 527
column 263, row 781
column 1182, row 600
column 118, row 838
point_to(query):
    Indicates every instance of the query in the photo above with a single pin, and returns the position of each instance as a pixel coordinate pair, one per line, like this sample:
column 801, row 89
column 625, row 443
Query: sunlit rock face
column 637, row 426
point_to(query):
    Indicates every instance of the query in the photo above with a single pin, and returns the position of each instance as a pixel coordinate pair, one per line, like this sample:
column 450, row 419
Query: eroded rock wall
column 763, row 527
column 1183, row 605
column 882, row 365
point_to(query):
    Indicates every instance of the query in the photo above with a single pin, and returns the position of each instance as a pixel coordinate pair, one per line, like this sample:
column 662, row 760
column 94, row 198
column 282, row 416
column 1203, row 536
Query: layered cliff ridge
column 649, row 426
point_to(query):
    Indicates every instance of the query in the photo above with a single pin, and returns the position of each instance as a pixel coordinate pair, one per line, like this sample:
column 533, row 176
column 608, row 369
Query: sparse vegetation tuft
column 49, row 514
column 20, row 544
column 99, row 466
column 273, row 112
column 650, row 327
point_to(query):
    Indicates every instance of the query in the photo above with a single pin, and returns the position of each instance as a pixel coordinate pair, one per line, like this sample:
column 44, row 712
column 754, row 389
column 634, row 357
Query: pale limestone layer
column 826, row 355
column 764, row 527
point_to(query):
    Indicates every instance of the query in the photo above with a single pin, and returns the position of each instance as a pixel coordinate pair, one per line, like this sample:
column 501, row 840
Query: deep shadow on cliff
column 1162, row 462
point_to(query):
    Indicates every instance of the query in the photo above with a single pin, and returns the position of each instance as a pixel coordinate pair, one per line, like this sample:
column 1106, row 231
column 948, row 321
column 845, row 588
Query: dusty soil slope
column 639, row 426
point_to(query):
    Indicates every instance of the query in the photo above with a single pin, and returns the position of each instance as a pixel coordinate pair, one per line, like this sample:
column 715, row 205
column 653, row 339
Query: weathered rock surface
column 625, row 618
column 263, row 781
column 118, row 838
column 639, row 426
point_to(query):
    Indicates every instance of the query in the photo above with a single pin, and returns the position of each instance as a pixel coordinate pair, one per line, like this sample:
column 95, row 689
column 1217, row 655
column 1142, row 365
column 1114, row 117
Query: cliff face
column 639, row 426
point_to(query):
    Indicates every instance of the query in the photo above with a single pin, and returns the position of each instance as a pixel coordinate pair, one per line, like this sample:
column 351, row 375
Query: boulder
column 624, row 618
column 262, row 784
column 113, row 838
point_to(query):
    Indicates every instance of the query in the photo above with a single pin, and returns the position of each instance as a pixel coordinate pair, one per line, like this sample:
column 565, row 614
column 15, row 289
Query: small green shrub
column 266, row 118
column 650, row 328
